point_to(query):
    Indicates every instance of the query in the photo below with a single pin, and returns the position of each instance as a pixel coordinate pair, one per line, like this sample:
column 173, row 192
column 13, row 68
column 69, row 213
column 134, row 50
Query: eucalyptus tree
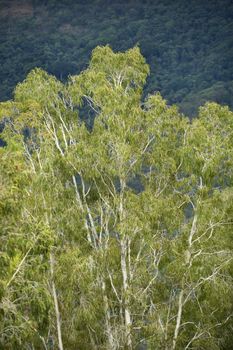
column 126, row 225
column 25, row 299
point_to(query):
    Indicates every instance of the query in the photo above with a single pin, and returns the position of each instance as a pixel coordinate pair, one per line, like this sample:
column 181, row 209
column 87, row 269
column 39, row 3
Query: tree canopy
column 115, row 234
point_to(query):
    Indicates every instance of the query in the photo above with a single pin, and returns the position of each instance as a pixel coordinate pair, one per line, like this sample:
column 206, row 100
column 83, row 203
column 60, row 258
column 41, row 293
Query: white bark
column 111, row 342
column 57, row 312
column 127, row 315
column 178, row 319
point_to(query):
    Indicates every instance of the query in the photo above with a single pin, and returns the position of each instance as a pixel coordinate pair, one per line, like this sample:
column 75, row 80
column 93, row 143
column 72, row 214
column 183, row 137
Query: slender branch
column 19, row 267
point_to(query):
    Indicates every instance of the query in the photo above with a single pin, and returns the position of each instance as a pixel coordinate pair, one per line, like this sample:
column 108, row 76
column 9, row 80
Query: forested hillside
column 188, row 43
column 117, row 236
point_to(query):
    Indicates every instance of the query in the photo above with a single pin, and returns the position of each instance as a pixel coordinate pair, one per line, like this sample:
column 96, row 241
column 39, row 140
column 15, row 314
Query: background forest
column 188, row 44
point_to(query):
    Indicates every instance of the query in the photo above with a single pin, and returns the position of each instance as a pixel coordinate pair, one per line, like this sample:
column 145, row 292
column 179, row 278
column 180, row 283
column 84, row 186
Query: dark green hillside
column 188, row 44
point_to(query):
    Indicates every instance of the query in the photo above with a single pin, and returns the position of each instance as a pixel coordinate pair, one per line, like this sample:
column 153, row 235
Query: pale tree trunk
column 188, row 262
column 124, row 271
column 111, row 342
column 51, row 260
column 93, row 239
column 54, row 292
column 57, row 312
column 127, row 315
column 178, row 319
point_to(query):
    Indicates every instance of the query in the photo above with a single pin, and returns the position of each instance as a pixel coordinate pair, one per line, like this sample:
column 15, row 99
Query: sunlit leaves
column 136, row 211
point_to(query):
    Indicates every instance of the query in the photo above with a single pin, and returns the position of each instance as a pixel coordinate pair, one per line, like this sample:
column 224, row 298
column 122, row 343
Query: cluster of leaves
column 187, row 44
column 117, row 236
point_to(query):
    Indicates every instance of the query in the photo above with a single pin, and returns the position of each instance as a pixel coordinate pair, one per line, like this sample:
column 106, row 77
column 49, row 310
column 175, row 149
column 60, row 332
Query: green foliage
column 118, row 235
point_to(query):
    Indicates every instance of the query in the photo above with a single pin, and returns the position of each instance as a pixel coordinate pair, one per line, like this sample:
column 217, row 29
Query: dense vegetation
column 188, row 43
column 118, row 236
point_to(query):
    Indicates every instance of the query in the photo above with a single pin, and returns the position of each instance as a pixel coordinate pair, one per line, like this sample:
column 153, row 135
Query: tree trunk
column 127, row 315
column 178, row 319
column 57, row 312
column 111, row 343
